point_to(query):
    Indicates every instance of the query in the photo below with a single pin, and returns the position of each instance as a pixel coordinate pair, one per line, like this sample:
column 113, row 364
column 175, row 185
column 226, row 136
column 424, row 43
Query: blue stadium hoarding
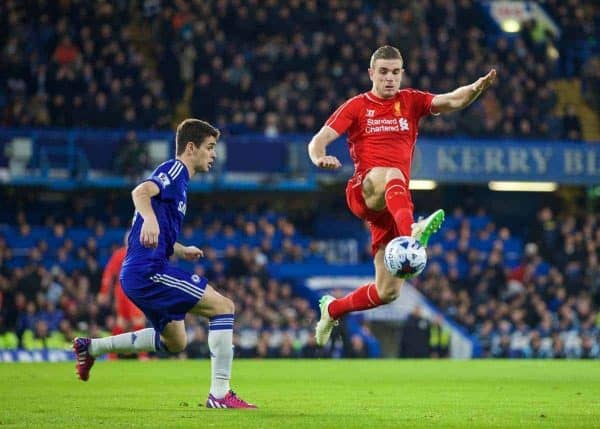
column 474, row 161
column 256, row 162
column 45, row 355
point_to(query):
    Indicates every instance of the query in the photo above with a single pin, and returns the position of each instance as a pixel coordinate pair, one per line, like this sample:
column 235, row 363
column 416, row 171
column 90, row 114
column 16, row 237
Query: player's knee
column 389, row 295
column 224, row 305
column 177, row 348
column 373, row 194
column 180, row 346
column 227, row 306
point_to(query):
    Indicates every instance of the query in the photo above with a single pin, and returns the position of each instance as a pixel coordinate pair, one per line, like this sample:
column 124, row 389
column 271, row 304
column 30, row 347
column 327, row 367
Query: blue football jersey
column 169, row 205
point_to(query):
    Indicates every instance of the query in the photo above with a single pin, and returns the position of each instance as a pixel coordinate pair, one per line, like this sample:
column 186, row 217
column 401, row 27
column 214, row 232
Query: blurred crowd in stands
column 537, row 300
column 275, row 67
column 531, row 294
column 50, row 277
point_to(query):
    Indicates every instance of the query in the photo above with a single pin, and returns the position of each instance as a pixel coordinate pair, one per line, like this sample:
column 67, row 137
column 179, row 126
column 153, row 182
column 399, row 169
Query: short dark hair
column 195, row 131
column 386, row 52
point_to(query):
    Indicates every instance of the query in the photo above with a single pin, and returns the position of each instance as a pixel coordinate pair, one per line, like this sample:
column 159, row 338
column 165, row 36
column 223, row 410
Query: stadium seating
column 479, row 274
column 201, row 58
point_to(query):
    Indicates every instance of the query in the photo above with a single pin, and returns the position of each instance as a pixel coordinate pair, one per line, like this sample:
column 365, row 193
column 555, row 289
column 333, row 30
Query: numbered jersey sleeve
column 166, row 177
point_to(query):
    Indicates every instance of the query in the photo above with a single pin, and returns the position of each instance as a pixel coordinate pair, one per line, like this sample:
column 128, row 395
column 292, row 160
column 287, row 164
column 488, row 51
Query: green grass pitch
column 307, row 394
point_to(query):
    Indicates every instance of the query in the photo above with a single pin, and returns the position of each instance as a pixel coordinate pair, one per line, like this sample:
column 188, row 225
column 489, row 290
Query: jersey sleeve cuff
column 157, row 182
column 335, row 129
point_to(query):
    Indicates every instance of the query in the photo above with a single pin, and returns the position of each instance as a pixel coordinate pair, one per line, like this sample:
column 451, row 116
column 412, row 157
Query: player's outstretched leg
column 83, row 358
column 362, row 298
column 87, row 349
column 220, row 343
column 424, row 228
column 326, row 323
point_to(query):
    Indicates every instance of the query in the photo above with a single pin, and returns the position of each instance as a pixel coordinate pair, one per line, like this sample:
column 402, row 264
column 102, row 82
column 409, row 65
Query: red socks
column 363, row 298
column 399, row 204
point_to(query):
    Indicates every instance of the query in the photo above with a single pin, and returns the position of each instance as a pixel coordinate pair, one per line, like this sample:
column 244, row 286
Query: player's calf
column 173, row 337
column 399, row 204
column 389, row 290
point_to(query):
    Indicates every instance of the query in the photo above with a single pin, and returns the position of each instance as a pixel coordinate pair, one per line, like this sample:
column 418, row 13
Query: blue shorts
column 163, row 294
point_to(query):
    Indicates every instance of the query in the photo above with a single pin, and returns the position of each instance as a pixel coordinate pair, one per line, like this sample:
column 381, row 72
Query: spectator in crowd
column 132, row 161
column 591, row 83
column 537, row 298
column 197, row 346
column 278, row 67
column 536, row 308
column 439, row 339
column 571, row 123
column 415, row 339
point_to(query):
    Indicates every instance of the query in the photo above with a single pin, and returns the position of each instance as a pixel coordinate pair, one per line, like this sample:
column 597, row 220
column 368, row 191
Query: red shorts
column 381, row 223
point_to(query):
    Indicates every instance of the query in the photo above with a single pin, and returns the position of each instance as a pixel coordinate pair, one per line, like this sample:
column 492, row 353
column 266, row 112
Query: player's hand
column 103, row 299
column 328, row 162
column 149, row 233
column 484, row 82
column 191, row 253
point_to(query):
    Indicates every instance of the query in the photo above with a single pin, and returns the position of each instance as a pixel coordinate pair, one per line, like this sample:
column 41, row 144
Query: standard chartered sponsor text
column 382, row 125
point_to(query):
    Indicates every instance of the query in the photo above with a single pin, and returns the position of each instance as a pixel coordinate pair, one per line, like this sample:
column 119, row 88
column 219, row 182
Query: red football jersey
column 110, row 277
column 382, row 132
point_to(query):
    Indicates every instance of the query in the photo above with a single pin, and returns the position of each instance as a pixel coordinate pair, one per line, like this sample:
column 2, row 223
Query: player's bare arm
column 141, row 196
column 463, row 96
column 189, row 253
column 317, row 146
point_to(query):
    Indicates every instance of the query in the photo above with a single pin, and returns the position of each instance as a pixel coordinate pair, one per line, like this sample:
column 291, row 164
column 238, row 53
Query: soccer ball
column 405, row 257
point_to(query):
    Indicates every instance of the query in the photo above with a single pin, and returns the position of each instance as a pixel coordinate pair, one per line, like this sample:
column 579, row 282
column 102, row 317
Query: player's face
column 204, row 156
column 386, row 76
